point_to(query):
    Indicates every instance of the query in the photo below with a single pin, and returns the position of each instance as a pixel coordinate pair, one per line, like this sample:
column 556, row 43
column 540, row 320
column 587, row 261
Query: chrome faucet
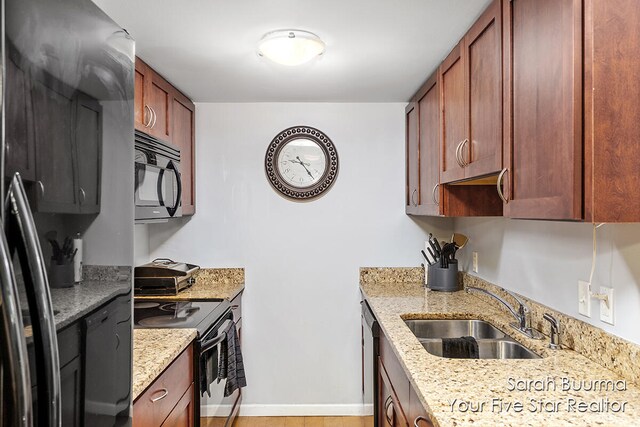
column 522, row 315
column 555, row 331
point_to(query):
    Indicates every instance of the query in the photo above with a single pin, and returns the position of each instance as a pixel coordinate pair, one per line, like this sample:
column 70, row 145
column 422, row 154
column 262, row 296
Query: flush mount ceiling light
column 290, row 47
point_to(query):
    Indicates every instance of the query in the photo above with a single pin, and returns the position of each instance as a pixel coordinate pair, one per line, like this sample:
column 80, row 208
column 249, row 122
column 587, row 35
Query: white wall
column 544, row 260
column 301, row 321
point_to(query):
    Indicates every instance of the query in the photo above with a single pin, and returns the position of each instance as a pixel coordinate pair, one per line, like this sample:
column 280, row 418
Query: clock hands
column 303, row 165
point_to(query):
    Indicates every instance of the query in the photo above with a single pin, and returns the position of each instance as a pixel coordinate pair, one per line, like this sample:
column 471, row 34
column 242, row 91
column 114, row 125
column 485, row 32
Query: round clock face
column 301, row 162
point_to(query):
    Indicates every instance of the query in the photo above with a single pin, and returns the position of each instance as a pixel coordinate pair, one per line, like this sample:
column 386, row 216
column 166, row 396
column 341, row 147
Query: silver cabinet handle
column 16, row 362
column 433, row 193
column 388, row 402
column 144, row 122
column 84, row 196
column 415, row 422
column 41, row 185
column 20, row 220
column 164, row 394
column 463, row 144
column 458, row 154
column 413, row 200
column 499, row 185
column 155, row 117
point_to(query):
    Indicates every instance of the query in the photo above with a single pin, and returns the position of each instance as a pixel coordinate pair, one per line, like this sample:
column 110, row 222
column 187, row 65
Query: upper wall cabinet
column 164, row 112
column 412, row 158
column 471, row 82
column 612, row 112
column 543, row 109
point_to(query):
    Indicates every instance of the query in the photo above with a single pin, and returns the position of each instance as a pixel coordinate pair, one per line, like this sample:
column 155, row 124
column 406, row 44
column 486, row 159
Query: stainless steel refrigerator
column 66, row 171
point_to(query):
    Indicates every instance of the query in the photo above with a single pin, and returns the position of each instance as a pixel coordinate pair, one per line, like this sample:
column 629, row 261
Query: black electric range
column 200, row 315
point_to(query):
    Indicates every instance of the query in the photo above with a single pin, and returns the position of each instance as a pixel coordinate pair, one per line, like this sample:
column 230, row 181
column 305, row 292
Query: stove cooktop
column 200, row 315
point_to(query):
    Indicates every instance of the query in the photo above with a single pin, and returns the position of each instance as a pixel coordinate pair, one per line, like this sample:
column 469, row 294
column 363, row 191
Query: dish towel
column 230, row 364
column 460, row 348
column 208, row 367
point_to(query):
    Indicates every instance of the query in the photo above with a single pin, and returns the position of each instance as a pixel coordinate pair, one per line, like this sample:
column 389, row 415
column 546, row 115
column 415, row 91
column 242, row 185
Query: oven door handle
column 206, row 346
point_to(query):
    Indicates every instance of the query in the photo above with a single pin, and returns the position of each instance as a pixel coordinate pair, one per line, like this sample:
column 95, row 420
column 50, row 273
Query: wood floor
column 296, row 422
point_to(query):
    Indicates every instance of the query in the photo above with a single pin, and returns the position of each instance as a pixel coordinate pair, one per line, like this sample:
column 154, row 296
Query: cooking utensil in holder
column 444, row 279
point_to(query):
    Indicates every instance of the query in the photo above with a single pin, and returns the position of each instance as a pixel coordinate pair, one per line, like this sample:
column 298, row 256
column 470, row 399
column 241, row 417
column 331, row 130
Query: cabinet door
column 429, row 113
column 412, row 158
column 417, row 414
column 182, row 415
column 71, row 393
column 183, row 136
column 56, row 182
column 453, row 123
column 19, row 138
column 543, row 110
column 483, row 67
column 389, row 413
column 158, row 96
column 88, row 142
column 142, row 114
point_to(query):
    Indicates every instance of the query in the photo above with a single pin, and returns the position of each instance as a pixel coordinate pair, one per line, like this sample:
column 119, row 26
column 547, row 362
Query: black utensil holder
column 61, row 275
column 443, row 279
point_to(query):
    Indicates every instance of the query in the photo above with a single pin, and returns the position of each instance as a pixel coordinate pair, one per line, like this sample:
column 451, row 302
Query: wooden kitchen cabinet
column 543, row 109
column 412, row 158
column 183, row 136
column 429, row 147
column 164, row 112
column 169, row 399
column 612, row 91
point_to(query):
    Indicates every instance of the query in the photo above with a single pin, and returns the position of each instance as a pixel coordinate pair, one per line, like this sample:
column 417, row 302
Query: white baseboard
column 250, row 410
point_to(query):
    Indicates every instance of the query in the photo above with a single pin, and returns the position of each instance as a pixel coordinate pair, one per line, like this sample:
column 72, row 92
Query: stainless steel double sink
column 492, row 342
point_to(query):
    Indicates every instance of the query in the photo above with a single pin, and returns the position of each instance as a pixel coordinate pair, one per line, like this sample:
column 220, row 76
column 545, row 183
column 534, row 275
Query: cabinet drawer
column 171, row 384
column 398, row 378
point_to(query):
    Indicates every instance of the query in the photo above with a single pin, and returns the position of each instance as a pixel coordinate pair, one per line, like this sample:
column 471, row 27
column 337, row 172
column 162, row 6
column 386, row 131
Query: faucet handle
column 555, row 331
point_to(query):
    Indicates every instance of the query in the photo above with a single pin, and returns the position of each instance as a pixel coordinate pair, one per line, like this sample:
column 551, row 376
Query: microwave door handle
column 17, row 363
column 25, row 238
column 160, row 188
column 172, row 210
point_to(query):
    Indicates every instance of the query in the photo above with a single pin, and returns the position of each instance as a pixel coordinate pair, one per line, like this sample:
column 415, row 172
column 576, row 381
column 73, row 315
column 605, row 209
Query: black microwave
column 158, row 188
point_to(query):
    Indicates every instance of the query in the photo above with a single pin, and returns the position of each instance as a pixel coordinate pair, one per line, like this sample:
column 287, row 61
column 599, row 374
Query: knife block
column 444, row 279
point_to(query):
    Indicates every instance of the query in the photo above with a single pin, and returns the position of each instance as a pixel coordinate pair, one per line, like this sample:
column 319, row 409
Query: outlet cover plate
column 606, row 312
column 584, row 298
column 475, row 262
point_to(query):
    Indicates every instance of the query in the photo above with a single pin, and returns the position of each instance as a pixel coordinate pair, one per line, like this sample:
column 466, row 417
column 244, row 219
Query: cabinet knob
column 41, row 185
column 505, row 200
column 154, row 118
column 458, row 159
column 388, row 404
column 463, row 144
column 83, row 196
column 434, row 193
column 164, row 394
column 413, row 199
column 426, row 422
column 145, row 122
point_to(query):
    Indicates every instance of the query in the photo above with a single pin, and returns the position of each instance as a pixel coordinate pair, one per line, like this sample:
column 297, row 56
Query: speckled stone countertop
column 211, row 283
column 466, row 392
column 153, row 352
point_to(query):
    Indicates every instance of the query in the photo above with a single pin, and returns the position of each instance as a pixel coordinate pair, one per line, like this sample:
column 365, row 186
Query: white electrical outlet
column 475, row 262
column 584, row 298
column 606, row 310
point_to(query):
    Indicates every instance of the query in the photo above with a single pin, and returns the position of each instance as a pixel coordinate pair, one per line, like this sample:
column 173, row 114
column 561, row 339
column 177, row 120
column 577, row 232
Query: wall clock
column 301, row 162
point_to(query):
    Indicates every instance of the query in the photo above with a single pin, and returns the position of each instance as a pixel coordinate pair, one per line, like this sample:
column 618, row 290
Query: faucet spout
column 522, row 315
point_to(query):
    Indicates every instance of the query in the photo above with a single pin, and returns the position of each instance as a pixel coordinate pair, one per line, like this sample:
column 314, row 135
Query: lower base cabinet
column 398, row 402
column 169, row 400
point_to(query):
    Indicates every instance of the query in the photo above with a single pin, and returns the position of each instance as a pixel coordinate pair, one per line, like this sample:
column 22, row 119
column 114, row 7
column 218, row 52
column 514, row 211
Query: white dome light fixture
column 290, row 47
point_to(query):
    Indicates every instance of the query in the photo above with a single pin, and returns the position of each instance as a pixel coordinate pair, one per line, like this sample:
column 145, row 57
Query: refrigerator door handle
column 17, row 359
column 18, row 216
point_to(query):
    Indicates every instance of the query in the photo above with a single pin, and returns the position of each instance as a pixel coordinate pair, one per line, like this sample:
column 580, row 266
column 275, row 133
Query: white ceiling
column 377, row 50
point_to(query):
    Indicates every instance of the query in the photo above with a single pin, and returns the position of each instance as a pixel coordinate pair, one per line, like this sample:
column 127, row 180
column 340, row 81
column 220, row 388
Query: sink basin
column 488, row 349
column 454, row 328
column 492, row 342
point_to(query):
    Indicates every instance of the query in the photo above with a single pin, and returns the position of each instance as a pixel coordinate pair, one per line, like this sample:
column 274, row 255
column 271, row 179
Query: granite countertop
column 452, row 390
column 70, row 304
column 153, row 351
column 211, row 283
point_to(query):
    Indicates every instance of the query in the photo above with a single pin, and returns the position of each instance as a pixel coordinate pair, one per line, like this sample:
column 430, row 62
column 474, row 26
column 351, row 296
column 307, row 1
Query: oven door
column 214, row 406
column 158, row 188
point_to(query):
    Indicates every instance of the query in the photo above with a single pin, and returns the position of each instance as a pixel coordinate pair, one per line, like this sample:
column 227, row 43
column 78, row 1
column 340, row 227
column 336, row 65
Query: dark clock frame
column 281, row 140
